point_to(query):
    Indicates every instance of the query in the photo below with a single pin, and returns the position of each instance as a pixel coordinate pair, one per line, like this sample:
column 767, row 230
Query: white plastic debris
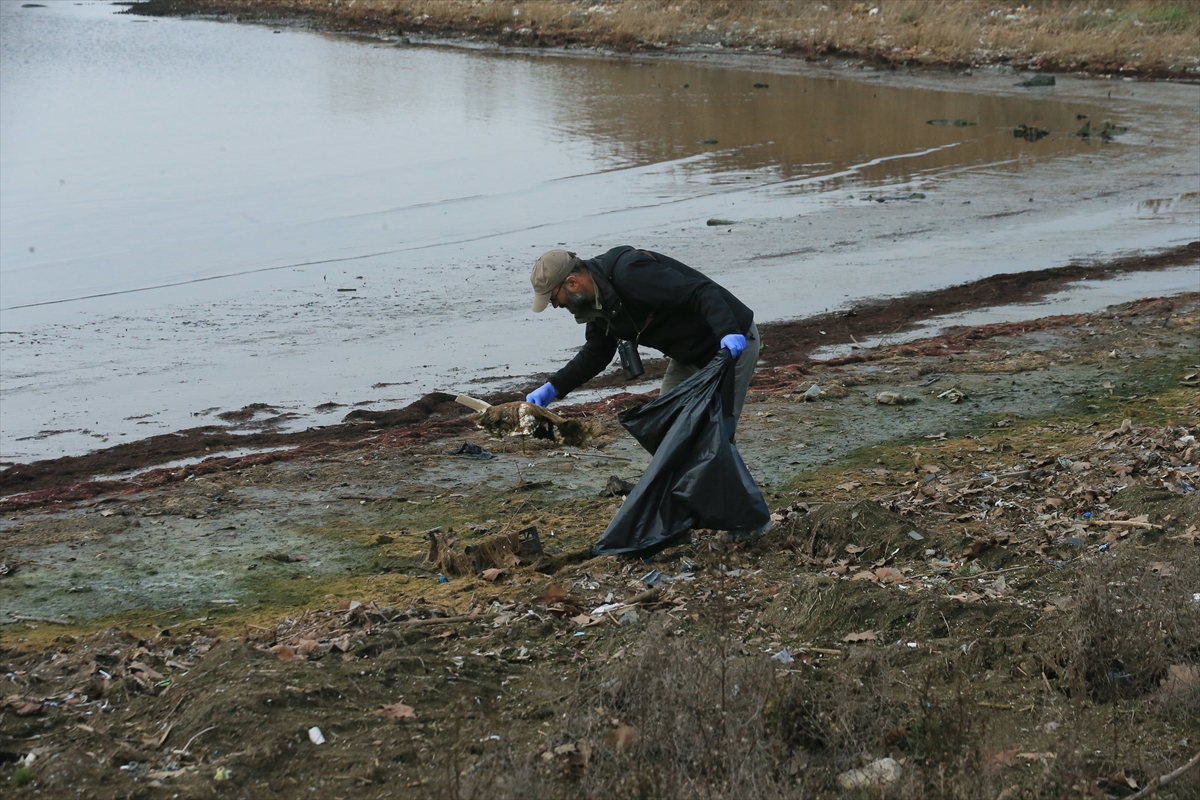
column 315, row 736
column 604, row 609
column 783, row 657
column 877, row 773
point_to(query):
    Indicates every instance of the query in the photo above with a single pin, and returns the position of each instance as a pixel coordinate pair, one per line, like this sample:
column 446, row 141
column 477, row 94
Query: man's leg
column 676, row 374
column 743, row 371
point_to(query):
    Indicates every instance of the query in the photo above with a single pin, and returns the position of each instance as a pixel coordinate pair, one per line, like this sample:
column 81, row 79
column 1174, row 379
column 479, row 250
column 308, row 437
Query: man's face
column 570, row 294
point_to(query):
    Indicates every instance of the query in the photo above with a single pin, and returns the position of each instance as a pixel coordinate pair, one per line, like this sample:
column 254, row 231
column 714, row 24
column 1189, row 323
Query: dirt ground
column 982, row 567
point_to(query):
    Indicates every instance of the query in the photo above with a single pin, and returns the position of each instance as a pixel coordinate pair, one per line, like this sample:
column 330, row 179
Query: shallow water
column 197, row 216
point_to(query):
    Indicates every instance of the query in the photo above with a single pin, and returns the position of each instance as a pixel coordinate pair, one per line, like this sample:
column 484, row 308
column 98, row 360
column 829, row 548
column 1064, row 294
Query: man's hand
column 735, row 343
column 543, row 395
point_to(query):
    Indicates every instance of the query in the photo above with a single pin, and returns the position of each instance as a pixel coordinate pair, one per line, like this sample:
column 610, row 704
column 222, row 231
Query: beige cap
column 551, row 269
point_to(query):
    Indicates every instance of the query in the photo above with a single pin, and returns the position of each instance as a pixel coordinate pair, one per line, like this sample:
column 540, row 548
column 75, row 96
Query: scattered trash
column 1037, row 80
column 1106, row 132
column 957, row 123
column 916, row 537
column 651, row 579
column 811, row 393
column 526, row 419
column 894, row 399
column 223, row 773
column 442, row 579
column 1030, row 133
column 783, row 657
column 715, row 223
column 877, row 773
column 470, row 450
column 617, row 487
column 630, row 617
column 954, row 395
column 315, row 736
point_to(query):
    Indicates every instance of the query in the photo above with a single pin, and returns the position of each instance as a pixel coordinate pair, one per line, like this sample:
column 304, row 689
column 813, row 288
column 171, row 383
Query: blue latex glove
column 544, row 394
column 735, row 343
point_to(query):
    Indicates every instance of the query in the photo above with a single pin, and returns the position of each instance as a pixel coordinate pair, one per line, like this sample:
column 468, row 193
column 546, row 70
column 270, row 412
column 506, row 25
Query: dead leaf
column 1180, row 678
column 976, row 547
column 865, row 636
column 863, row 576
column 895, row 736
column 1162, row 569
column 553, row 594
column 1055, row 502
column 22, row 708
column 1005, row 758
column 853, row 548
column 623, row 737
column 396, row 711
column 1036, row 756
column 889, row 575
column 283, row 652
column 307, row 646
column 1123, row 780
column 147, row 672
column 155, row 742
column 967, row 597
column 582, row 619
column 577, row 762
column 342, row 642
column 848, row 487
column 493, row 574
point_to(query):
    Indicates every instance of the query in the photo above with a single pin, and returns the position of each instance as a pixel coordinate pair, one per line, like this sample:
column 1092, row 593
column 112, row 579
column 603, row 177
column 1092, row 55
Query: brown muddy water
column 198, row 216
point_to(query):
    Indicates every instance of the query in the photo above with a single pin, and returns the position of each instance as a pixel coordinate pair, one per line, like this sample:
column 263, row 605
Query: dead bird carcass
column 526, row 419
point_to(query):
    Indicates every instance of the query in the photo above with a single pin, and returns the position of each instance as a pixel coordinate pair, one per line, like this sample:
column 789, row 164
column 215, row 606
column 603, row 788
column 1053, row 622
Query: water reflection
column 793, row 126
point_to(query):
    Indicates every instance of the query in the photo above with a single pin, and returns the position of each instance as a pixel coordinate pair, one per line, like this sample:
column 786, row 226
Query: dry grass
column 1144, row 35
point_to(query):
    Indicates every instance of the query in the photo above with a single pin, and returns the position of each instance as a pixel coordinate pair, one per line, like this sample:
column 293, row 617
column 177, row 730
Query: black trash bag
column 697, row 478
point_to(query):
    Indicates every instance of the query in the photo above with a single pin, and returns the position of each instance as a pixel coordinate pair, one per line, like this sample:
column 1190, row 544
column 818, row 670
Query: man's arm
column 596, row 354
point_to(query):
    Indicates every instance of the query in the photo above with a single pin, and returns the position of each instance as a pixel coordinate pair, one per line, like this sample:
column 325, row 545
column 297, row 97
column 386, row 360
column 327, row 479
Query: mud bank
column 977, row 578
column 436, row 415
column 1140, row 39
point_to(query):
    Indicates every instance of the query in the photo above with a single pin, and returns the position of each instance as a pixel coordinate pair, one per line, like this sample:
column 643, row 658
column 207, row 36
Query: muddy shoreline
column 895, row 45
column 435, row 415
column 999, row 565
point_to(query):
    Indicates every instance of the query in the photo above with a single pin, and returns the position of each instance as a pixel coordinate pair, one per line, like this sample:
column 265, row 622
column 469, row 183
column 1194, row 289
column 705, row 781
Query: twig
column 1157, row 783
column 595, row 455
column 184, row 751
column 1127, row 523
column 417, row 623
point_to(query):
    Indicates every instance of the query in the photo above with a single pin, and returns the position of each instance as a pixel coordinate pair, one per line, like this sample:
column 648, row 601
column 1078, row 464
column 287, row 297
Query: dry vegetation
column 1157, row 37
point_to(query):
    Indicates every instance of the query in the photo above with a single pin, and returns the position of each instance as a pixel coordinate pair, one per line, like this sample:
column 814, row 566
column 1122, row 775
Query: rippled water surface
column 198, row 215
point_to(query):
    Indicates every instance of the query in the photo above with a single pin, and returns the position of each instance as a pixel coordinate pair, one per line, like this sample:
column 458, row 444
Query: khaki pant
column 743, row 371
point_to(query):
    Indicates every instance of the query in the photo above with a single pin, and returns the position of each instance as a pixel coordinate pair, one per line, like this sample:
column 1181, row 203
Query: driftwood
column 1157, row 783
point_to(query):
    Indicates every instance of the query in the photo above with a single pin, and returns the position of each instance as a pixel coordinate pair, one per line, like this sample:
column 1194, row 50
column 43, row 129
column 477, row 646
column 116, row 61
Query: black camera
column 631, row 362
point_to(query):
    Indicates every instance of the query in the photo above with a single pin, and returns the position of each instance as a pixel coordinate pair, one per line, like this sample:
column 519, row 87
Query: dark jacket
column 658, row 302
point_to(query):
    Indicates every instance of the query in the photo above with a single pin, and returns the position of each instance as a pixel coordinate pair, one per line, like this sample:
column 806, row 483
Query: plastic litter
column 315, row 736
column 783, row 657
column 223, row 774
column 697, row 478
column 877, row 773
